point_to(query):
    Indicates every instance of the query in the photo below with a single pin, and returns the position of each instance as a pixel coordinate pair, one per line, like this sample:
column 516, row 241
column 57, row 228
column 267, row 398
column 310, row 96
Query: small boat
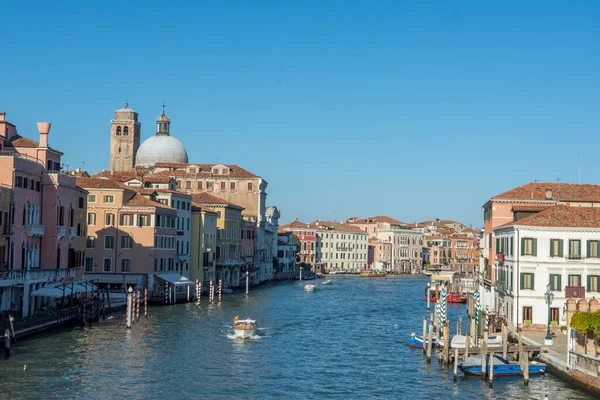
column 502, row 367
column 244, row 328
column 460, row 342
column 326, row 282
column 417, row 341
column 373, row 274
column 310, row 288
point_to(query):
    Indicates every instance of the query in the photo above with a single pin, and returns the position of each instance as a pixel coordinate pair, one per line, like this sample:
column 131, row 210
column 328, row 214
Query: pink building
column 46, row 220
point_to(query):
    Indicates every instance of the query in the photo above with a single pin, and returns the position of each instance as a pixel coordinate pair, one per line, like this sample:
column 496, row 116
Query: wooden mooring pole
column 491, row 369
column 483, row 350
column 455, row 365
column 424, row 334
column 446, row 343
column 459, row 325
column 429, row 343
column 526, row 369
column 504, row 340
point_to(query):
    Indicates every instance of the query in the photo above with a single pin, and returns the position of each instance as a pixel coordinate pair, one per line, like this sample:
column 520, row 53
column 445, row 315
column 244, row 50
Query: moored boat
column 372, row 273
column 460, row 341
column 502, row 367
column 310, row 288
column 417, row 341
column 327, row 282
column 244, row 328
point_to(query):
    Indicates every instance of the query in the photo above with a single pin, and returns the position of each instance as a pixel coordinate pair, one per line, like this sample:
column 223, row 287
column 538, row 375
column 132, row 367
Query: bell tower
column 124, row 139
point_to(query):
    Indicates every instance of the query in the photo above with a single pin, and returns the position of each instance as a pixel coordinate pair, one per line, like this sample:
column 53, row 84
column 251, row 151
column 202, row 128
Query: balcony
column 226, row 262
column 8, row 230
column 35, row 230
column 574, row 257
column 182, row 257
column 72, row 232
column 500, row 287
column 50, row 274
column 61, row 231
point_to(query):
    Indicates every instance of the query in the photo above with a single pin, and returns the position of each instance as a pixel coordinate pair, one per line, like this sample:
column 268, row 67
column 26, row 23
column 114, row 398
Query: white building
column 407, row 247
column 286, row 252
column 342, row 247
column 271, row 226
column 559, row 246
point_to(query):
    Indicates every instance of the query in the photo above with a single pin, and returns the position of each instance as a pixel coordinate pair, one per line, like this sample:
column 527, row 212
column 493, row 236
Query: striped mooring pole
column 137, row 305
column 198, row 291
column 442, row 300
column 166, row 293
column 210, row 293
column 145, row 302
column 220, row 289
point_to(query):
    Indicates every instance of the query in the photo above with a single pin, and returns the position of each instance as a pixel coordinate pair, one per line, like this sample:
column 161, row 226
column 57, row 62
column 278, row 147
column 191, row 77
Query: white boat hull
column 310, row 288
column 244, row 333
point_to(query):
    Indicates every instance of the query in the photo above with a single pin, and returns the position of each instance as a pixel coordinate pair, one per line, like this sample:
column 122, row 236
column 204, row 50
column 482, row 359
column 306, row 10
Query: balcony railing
column 61, row 231
column 500, row 287
column 228, row 261
column 42, row 274
column 72, row 232
column 182, row 257
column 35, row 230
column 574, row 257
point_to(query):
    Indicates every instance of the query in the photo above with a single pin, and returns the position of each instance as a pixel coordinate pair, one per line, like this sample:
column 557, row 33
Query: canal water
column 347, row 340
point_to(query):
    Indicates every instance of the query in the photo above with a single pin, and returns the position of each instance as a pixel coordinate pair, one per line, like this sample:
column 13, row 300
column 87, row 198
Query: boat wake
column 241, row 339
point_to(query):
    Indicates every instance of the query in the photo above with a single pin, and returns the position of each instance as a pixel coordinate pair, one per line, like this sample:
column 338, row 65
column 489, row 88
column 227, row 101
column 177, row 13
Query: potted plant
column 563, row 329
column 527, row 323
column 554, row 325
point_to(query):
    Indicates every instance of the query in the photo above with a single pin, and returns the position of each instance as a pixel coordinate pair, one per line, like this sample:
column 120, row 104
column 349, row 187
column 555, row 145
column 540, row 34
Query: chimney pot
column 43, row 129
column 2, row 116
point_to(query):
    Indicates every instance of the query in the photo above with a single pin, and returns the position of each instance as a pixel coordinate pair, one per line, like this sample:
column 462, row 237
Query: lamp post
column 428, row 296
column 549, row 297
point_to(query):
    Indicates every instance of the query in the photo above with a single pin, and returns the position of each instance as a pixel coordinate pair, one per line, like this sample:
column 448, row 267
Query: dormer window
column 548, row 194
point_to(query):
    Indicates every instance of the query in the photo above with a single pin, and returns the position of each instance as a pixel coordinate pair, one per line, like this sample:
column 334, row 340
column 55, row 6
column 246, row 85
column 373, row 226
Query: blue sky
column 412, row 109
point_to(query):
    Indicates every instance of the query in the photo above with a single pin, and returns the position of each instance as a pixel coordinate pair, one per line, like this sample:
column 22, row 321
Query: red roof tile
column 556, row 191
column 561, row 216
column 140, row 201
column 531, row 208
column 337, row 226
column 99, row 183
column 295, row 225
column 205, row 198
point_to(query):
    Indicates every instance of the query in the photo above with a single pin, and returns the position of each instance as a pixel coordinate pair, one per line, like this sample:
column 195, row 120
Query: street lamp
column 549, row 297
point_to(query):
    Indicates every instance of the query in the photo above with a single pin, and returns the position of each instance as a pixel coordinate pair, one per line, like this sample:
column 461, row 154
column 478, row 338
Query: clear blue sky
column 414, row 109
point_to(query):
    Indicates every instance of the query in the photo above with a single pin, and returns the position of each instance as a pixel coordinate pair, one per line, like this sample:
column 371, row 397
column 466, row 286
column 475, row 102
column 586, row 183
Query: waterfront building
column 43, row 235
column 519, row 203
column 307, row 237
column 373, row 224
column 131, row 238
column 464, row 252
column 5, row 227
column 340, row 246
column 249, row 251
column 286, row 255
column 559, row 246
column 229, row 262
column 380, row 255
column 203, row 245
column 407, row 247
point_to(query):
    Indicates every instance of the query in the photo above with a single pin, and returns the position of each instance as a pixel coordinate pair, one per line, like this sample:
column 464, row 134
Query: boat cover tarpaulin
column 174, row 278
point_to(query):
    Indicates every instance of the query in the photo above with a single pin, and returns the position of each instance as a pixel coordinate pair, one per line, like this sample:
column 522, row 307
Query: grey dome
column 160, row 148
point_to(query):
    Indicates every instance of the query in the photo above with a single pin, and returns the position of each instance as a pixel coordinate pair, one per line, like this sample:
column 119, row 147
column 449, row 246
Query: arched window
column 58, row 256
column 118, row 131
column 24, row 214
column 125, row 131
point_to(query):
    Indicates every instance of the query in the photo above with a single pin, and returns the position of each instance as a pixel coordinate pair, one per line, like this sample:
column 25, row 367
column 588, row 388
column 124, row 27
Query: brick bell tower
column 124, row 139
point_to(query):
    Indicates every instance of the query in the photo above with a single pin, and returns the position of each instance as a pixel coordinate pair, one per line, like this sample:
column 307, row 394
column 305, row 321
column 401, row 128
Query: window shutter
column 588, row 247
column 589, row 282
column 534, row 247
column 522, row 247
column 559, row 282
column 533, row 278
column 522, row 280
column 570, row 249
column 560, row 248
column 552, row 248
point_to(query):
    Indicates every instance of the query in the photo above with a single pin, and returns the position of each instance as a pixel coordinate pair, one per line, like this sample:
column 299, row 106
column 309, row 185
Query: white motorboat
column 310, row 288
column 460, row 342
column 244, row 328
column 326, row 282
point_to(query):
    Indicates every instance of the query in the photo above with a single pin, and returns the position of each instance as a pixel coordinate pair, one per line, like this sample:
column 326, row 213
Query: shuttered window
column 528, row 247
column 592, row 248
column 555, row 282
column 527, row 281
column 556, row 248
column 593, row 282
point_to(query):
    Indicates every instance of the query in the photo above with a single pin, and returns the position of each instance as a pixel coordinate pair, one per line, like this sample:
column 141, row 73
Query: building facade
column 341, row 247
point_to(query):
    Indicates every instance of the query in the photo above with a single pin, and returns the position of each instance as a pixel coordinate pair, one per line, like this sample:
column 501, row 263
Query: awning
column 174, row 278
column 63, row 289
column 51, row 291
column 115, row 278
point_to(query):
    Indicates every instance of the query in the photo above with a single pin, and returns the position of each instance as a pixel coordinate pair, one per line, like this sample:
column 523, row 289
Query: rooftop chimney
column 2, row 116
column 43, row 129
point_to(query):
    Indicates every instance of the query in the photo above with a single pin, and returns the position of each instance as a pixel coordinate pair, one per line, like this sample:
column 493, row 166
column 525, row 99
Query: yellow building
column 203, row 245
column 228, row 252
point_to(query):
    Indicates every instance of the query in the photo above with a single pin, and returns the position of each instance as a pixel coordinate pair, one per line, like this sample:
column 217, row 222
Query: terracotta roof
column 284, row 233
column 374, row 220
column 146, row 191
column 78, row 174
column 157, row 178
column 205, row 198
column 20, row 141
column 561, row 216
column 121, row 176
column 159, row 190
column 531, row 208
column 337, row 226
column 558, row 192
column 140, row 201
column 295, row 225
column 99, row 183
column 204, row 170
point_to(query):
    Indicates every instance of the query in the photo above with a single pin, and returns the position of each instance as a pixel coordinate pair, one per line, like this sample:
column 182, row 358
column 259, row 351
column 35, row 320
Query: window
column 554, row 314
column 109, row 242
column 126, row 242
column 556, row 248
column 81, row 202
column 91, row 198
column 250, row 188
column 125, row 131
column 200, row 185
column 527, row 314
column 555, row 282
column 219, row 214
column 574, row 280
column 592, row 283
column 528, row 247
column 592, row 248
column 118, row 131
column 231, row 185
column 209, row 185
column 90, row 242
column 126, row 265
column 188, row 184
column 223, row 186
column 89, row 264
column 127, row 219
column 109, row 219
column 109, row 198
column 144, row 220
column 91, row 219
column 575, row 249
column 107, row 267
column 527, row 281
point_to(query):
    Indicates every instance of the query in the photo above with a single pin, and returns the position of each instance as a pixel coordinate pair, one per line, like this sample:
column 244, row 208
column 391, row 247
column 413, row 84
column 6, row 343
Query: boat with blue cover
column 502, row 367
column 417, row 341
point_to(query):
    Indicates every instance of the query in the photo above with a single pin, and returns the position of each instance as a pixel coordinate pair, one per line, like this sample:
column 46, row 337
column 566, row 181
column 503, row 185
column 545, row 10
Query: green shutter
column 551, row 248
column 588, row 248
column 533, row 280
column 570, row 249
column 534, row 247
column 561, row 247
column 522, row 247
column 589, row 283
column 497, row 245
column 559, row 282
column 522, row 280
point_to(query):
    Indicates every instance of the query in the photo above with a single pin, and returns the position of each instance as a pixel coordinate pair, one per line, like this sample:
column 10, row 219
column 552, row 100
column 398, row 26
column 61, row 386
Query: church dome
column 161, row 147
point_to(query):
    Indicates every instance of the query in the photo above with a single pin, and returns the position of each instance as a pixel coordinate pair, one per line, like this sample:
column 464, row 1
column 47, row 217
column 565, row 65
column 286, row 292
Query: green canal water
column 347, row 340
